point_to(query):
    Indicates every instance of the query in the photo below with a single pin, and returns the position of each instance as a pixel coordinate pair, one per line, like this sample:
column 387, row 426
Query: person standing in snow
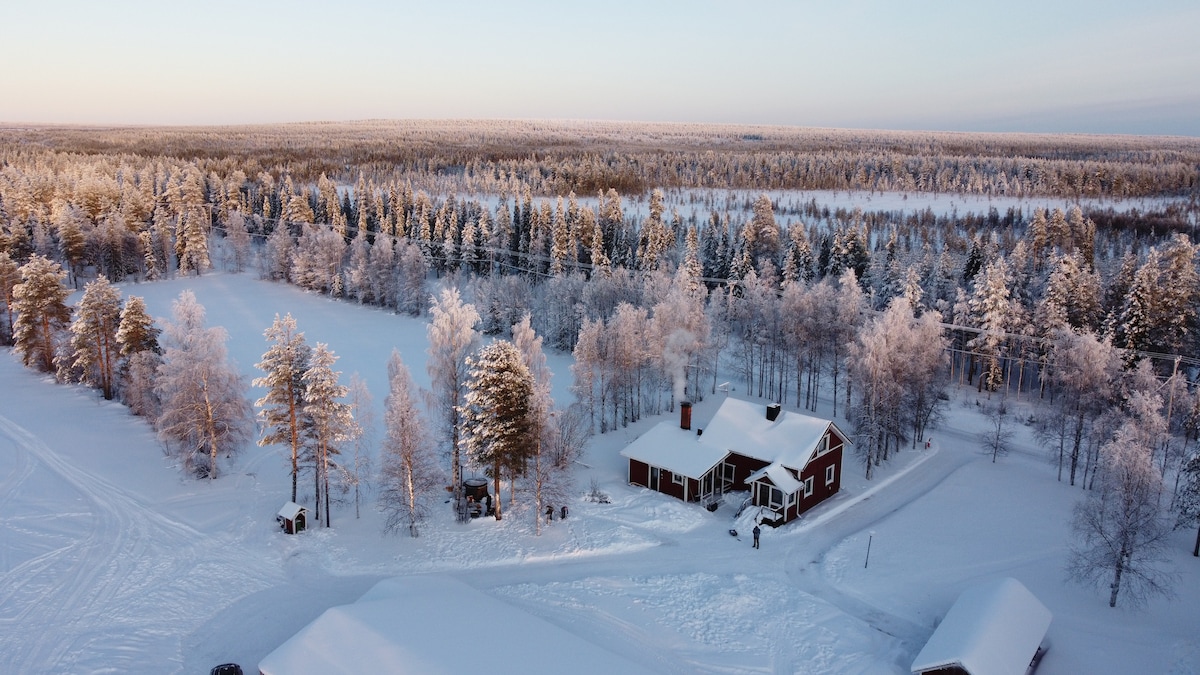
column 757, row 532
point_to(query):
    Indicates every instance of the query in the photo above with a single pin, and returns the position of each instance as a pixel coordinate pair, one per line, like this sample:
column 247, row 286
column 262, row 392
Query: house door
column 655, row 474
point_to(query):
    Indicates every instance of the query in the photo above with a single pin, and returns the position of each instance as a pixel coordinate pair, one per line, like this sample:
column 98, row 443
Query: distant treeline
column 555, row 158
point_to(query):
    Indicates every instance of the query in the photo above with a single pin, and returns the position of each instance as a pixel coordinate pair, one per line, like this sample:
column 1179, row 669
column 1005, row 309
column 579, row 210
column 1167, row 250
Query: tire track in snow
column 118, row 592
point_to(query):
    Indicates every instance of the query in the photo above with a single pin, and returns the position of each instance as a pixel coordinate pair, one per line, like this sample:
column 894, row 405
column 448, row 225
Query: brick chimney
column 685, row 415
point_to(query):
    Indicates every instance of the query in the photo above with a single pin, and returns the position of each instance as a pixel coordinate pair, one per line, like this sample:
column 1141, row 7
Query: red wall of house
column 639, row 474
column 742, row 468
column 816, row 469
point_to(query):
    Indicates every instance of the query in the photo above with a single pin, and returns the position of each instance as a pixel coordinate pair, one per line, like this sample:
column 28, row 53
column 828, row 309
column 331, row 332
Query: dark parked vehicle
column 226, row 669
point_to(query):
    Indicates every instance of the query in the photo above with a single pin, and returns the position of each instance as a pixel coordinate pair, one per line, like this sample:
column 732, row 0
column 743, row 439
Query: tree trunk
column 1196, row 550
column 496, row 474
column 1116, row 584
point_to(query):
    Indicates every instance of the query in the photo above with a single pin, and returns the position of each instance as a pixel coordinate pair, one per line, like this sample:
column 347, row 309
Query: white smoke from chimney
column 676, row 352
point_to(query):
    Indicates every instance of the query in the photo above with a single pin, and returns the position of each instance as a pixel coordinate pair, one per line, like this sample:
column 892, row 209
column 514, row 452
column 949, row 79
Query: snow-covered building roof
column 677, row 450
column 742, row 427
column 994, row 628
column 433, row 625
column 290, row 510
column 738, row 426
column 780, row 478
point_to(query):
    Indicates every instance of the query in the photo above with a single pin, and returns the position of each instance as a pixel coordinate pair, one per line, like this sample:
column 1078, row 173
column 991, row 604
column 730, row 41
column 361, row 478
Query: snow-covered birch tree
column 1119, row 526
column 409, row 472
column 204, row 408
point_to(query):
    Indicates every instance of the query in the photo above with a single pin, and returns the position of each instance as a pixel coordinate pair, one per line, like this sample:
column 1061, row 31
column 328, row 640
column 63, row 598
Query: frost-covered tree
column 93, row 345
column 356, row 472
column 1085, row 373
column 993, row 310
column 1119, row 526
column 327, row 419
column 40, row 303
column 409, row 472
column 238, row 238
column 10, row 276
column 498, row 415
column 1188, row 501
column 140, row 356
column 204, row 408
column 452, row 338
column 283, row 365
column 892, row 352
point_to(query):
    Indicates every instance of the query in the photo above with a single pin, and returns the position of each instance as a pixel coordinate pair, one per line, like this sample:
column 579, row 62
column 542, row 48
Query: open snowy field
column 112, row 561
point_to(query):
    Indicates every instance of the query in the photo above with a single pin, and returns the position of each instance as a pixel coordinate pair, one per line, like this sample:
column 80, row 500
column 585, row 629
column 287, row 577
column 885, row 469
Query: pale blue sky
column 1078, row 66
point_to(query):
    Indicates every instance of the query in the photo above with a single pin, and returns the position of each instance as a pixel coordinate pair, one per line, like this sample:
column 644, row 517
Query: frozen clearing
column 111, row 561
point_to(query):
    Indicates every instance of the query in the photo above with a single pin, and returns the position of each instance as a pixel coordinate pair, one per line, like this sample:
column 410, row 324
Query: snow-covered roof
column 993, row 628
column 780, row 478
column 436, row 625
column 743, row 427
column 290, row 510
column 738, row 426
column 676, row 450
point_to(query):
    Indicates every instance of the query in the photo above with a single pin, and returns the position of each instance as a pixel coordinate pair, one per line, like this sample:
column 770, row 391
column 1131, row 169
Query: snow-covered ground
column 112, row 561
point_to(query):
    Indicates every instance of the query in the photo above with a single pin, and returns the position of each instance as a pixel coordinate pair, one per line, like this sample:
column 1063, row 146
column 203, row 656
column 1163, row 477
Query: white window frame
column 676, row 478
column 830, row 474
column 808, row 486
column 792, row 499
column 823, row 446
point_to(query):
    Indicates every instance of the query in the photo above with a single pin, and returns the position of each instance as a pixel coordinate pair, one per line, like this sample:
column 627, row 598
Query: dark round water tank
column 475, row 487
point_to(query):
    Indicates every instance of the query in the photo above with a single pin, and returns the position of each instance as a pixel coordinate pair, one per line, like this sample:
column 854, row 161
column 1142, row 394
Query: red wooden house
column 787, row 461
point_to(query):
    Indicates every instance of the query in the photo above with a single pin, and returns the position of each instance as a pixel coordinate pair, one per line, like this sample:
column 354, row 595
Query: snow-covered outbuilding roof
column 290, row 510
column 738, row 426
column 677, row 450
column 994, row 628
column 433, row 625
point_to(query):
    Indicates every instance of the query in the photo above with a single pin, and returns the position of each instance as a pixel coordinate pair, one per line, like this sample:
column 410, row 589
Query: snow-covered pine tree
column 498, row 413
column 992, row 307
column 140, row 356
column 283, row 365
column 40, row 303
column 204, row 409
column 94, row 347
column 409, row 472
column 327, row 419
column 452, row 337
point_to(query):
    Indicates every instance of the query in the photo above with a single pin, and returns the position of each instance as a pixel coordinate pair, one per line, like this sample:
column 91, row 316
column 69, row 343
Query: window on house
column 808, row 486
column 830, row 473
column 823, row 446
column 776, row 497
column 677, row 479
column 791, row 499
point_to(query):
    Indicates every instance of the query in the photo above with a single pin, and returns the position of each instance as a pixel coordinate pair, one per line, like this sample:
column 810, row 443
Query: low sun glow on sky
column 1090, row 66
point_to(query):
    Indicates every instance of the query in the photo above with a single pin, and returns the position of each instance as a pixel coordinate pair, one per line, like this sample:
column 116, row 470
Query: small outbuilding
column 994, row 628
column 292, row 518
